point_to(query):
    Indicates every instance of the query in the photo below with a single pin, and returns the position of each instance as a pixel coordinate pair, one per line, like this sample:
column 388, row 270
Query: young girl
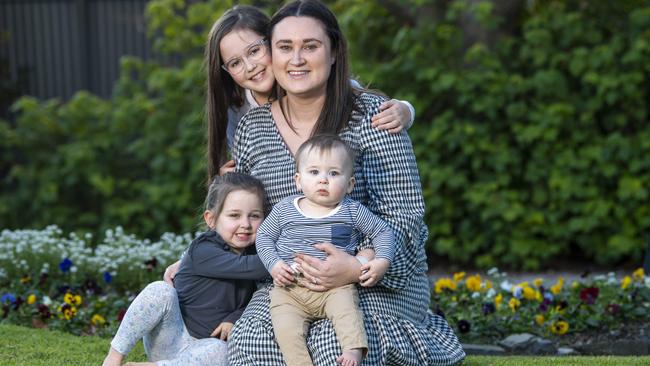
column 240, row 77
column 190, row 324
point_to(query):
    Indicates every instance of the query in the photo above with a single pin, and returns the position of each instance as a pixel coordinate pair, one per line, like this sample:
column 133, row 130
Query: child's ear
column 351, row 184
column 296, row 178
column 209, row 218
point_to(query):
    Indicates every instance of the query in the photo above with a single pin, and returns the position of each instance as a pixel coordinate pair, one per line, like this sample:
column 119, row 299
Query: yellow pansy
column 529, row 293
column 31, row 299
column 538, row 282
column 445, row 284
column 514, row 304
column 575, row 284
column 68, row 298
column 98, row 320
column 625, row 283
column 555, row 289
column 473, row 283
column 639, row 274
column 77, row 300
column 538, row 296
column 487, row 284
column 458, row 276
column 560, row 327
column 539, row 319
column 67, row 312
column 497, row 300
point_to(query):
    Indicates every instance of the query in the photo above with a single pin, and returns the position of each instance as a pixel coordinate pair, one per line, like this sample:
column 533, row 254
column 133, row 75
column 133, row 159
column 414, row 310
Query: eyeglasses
column 253, row 53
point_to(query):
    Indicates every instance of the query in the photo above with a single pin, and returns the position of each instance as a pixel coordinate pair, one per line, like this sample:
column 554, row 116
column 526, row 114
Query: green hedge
column 532, row 140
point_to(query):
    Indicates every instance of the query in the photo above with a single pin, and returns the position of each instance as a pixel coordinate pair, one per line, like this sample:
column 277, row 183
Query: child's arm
column 215, row 262
column 267, row 236
column 394, row 116
column 382, row 240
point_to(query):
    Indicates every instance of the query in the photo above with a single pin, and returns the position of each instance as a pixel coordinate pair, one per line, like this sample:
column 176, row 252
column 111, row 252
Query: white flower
column 490, row 293
column 47, row 301
column 505, row 285
column 493, row 271
column 476, row 295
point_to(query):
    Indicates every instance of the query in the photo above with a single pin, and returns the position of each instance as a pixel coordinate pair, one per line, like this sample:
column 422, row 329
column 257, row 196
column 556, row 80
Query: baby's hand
column 373, row 271
column 282, row 274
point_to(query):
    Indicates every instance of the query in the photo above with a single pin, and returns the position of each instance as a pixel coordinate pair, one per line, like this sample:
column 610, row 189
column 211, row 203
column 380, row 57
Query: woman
column 240, row 77
column 309, row 61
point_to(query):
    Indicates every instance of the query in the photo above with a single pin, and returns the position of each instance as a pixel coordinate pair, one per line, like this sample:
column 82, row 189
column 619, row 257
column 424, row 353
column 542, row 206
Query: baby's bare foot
column 350, row 357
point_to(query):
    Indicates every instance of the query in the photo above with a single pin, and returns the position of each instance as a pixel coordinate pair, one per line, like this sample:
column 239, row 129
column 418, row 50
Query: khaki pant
column 293, row 308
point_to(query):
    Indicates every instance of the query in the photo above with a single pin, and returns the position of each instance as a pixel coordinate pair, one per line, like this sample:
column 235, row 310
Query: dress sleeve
column 214, row 262
column 395, row 193
column 241, row 147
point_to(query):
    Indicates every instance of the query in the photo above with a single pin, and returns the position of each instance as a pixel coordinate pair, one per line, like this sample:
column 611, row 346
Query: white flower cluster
column 123, row 256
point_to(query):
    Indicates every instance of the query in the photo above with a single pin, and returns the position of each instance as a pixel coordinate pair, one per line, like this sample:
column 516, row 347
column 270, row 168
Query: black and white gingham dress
column 400, row 328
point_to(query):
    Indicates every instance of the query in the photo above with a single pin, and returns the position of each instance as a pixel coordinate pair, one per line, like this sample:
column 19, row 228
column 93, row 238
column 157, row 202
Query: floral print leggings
column 155, row 316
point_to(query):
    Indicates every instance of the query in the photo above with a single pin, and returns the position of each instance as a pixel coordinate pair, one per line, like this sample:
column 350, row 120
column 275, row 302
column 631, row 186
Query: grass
column 40, row 347
column 36, row 347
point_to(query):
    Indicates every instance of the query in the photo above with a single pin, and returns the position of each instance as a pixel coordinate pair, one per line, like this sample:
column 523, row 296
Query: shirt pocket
column 341, row 235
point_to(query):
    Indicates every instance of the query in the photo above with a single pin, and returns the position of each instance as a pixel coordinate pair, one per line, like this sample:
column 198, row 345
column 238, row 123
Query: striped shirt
column 288, row 230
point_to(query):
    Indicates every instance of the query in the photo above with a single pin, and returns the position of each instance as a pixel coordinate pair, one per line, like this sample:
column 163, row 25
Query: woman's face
column 238, row 49
column 302, row 56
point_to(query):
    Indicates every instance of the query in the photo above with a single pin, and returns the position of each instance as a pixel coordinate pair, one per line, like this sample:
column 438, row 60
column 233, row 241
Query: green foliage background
column 531, row 132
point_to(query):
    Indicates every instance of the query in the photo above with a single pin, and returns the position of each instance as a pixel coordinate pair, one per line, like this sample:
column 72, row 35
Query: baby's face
column 325, row 177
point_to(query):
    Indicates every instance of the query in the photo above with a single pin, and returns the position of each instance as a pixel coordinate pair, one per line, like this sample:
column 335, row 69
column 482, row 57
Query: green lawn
column 32, row 347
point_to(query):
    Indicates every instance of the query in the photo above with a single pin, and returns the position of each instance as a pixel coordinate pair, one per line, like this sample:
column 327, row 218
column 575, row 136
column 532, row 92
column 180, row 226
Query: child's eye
column 334, row 174
column 256, row 216
column 313, row 172
column 233, row 215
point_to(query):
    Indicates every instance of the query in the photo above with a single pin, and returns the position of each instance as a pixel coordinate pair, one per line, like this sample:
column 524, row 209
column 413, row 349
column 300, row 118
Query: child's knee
column 162, row 291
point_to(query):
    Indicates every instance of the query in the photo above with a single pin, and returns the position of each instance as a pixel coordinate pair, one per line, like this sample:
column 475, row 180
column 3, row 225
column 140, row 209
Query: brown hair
column 325, row 143
column 222, row 91
column 340, row 96
column 222, row 186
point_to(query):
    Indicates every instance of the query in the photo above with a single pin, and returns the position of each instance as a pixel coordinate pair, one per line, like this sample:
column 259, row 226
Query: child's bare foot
column 113, row 358
column 350, row 357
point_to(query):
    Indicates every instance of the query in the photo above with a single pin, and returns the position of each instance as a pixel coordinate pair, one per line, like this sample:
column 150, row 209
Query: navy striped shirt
column 288, row 230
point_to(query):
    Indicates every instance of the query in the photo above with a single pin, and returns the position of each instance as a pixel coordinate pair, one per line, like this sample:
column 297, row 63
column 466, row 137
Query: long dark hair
column 222, row 91
column 340, row 96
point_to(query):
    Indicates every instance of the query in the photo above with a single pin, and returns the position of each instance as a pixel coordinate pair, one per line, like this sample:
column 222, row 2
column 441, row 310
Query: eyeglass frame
column 262, row 41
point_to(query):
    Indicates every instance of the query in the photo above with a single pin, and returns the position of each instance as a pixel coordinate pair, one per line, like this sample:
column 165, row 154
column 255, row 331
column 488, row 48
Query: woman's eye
column 284, row 48
column 310, row 47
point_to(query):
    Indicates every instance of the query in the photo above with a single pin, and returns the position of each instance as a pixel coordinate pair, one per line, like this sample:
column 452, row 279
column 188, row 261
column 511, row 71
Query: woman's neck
column 303, row 113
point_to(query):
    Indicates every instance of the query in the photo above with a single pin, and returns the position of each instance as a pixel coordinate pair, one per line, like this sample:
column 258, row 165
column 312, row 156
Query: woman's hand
column 338, row 269
column 394, row 116
column 170, row 272
column 222, row 331
column 228, row 167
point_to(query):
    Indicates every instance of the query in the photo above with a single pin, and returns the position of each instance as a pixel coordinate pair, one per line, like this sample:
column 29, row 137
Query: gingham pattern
column 401, row 331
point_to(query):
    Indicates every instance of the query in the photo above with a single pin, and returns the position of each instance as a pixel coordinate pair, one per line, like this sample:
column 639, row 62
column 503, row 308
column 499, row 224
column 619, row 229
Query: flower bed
column 488, row 309
column 66, row 283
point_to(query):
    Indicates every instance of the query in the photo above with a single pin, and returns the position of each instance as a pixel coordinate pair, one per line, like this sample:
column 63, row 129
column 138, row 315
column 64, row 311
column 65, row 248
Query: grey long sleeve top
column 215, row 284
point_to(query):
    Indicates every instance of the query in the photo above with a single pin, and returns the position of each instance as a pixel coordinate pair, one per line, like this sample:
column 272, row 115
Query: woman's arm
column 392, row 183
